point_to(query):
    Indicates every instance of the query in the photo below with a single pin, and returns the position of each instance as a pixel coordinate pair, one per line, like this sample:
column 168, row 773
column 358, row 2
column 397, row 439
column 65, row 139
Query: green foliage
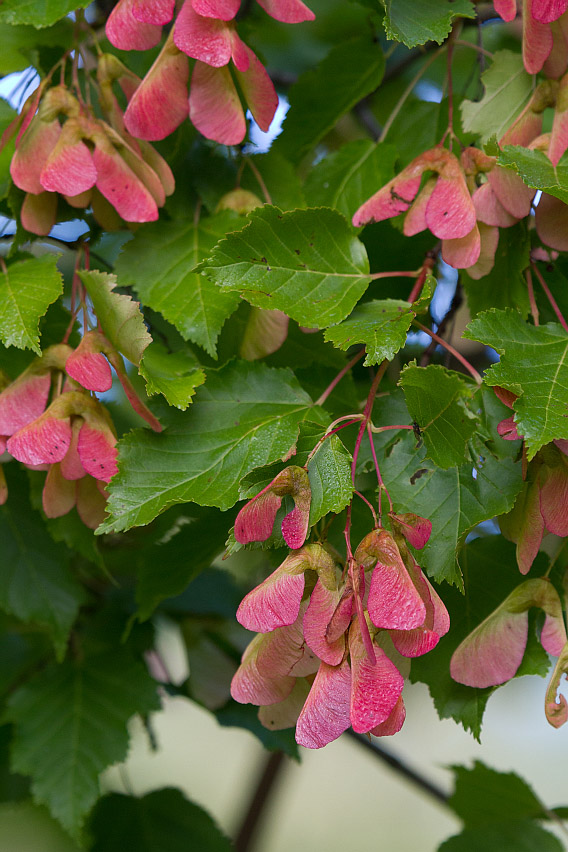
column 70, row 723
column 307, row 263
column 27, row 289
column 163, row 820
column 534, row 366
column 536, row 170
column 176, row 375
column 415, row 22
column 119, row 316
column 159, row 264
column 490, row 573
column 39, row 14
column 351, row 70
column 36, row 582
column 231, row 428
column 452, row 499
column 436, row 399
column 381, row 325
column 505, row 286
column 282, row 337
column 343, row 179
column 508, row 88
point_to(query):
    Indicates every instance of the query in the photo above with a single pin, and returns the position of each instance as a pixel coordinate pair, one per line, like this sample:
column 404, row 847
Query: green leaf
column 19, row 44
column 38, row 13
column 166, row 569
column 436, row 401
column 381, row 325
column 330, row 479
column 306, row 263
column 245, row 416
column 27, row 289
column 520, row 836
column 279, row 177
column 483, row 796
column 350, row 71
column 234, row 715
column 159, row 264
column 490, row 573
column 452, row 499
column 70, row 724
column 120, row 317
column 536, row 170
column 505, row 286
column 36, row 583
column 24, row 826
column 345, row 178
column 176, row 375
column 534, row 364
column 163, row 820
column 508, row 89
column 415, row 22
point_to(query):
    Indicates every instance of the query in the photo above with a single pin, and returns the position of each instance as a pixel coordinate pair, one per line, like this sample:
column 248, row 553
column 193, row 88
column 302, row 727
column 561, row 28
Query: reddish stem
column 364, row 499
column 379, row 477
column 321, row 399
column 532, row 300
column 427, row 267
column 469, row 367
column 551, row 298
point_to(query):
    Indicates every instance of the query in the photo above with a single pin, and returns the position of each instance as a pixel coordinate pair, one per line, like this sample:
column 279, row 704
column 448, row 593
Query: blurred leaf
column 36, row 584
column 520, row 836
column 483, row 796
column 235, row 715
column 505, row 286
column 508, row 88
column 346, row 178
column 490, row 573
column 70, row 724
column 350, row 71
column 163, row 819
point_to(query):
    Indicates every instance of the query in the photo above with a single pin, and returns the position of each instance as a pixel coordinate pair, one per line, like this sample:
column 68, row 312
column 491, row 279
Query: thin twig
column 550, row 298
column 399, row 766
column 272, row 770
column 408, row 91
column 469, row 367
column 532, row 300
column 321, row 399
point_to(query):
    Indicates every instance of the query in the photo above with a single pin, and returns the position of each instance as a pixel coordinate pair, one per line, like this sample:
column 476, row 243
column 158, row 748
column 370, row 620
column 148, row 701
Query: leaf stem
column 259, row 178
column 407, row 92
column 322, row 398
column 370, row 505
column 550, row 298
column 395, row 274
column 331, row 430
column 382, row 485
column 469, row 367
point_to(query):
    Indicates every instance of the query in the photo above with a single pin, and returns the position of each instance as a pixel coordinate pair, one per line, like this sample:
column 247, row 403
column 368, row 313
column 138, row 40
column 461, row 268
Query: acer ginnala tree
column 213, row 349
